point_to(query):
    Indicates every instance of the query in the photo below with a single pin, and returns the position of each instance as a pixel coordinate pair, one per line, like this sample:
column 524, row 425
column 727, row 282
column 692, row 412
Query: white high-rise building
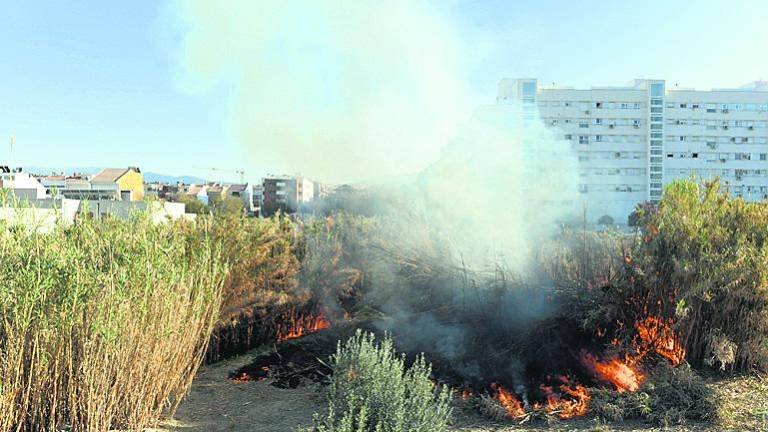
column 633, row 140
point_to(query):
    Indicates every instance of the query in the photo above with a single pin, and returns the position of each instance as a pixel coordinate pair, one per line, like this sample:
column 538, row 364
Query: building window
column 656, row 102
column 657, row 90
column 529, row 89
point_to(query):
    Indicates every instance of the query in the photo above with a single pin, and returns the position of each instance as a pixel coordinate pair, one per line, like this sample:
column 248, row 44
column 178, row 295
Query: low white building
column 632, row 140
column 43, row 215
column 20, row 185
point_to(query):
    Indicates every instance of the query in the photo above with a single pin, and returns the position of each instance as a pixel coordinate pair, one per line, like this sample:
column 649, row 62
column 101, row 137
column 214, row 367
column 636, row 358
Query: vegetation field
column 105, row 324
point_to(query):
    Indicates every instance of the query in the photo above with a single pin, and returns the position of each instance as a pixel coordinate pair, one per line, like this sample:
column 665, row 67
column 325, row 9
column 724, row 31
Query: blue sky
column 86, row 83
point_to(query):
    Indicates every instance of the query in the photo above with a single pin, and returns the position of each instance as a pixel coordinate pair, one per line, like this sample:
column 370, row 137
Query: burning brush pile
column 521, row 351
column 600, row 324
column 510, row 349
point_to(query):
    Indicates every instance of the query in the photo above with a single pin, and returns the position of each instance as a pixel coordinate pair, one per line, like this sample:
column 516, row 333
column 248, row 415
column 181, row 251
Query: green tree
column 605, row 220
column 192, row 204
column 227, row 206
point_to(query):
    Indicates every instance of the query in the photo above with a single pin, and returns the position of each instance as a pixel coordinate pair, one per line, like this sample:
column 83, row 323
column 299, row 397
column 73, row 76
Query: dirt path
column 216, row 404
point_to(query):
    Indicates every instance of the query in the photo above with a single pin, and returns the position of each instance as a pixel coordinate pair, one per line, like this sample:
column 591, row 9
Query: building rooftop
column 236, row 188
column 110, row 175
column 194, row 189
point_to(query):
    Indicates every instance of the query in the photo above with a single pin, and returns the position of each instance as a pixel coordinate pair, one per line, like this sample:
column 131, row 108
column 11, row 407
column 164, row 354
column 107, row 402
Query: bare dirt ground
column 216, row 404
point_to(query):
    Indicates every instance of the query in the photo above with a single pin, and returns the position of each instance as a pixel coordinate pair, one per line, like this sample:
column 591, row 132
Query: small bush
column 372, row 390
column 670, row 396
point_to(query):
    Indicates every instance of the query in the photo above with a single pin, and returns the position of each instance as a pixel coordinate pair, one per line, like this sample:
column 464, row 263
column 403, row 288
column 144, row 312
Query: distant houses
column 41, row 201
column 116, row 192
column 284, row 193
column 119, row 184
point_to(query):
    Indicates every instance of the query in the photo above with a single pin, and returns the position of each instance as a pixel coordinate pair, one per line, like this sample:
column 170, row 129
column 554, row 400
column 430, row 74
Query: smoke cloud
column 336, row 91
column 349, row 91
column 361, row 90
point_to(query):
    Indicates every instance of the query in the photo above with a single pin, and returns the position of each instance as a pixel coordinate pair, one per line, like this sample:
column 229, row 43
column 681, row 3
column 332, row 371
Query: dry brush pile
column 689, row 286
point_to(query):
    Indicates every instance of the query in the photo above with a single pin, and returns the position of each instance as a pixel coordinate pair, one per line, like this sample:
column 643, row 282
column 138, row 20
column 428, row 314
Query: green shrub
column 699, row 259
column 372, row 390
column 704, row 257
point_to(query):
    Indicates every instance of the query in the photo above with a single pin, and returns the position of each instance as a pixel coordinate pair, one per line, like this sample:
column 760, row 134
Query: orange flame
column 466, row 395
column 242, row 378
column 575, row 406
column 508, row 400
column 302, row 326
column 621, row 373
column 661, row 338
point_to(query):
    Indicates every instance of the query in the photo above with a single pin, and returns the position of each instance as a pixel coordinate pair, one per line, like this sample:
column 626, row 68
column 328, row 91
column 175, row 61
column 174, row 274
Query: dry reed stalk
column 103, row 325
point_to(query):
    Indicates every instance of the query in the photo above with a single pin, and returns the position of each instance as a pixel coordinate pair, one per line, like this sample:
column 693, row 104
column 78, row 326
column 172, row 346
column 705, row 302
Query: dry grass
column 744, row 402
column 103, row 324
column 261, row 284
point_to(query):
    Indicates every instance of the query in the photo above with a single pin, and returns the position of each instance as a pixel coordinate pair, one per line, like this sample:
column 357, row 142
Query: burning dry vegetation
column 600, row 325
column 601, row 329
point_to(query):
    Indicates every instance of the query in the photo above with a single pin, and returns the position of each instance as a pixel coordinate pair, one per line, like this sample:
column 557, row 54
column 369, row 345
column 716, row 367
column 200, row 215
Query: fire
column 466, row 395
column 623, row 374
column 463, row 393
column 508, row 400
column 575, row 406
column 242, row 378
column 303, row 325
column 659, row 336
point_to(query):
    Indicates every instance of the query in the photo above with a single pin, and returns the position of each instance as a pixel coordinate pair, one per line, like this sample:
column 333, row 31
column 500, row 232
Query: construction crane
column 240, row 172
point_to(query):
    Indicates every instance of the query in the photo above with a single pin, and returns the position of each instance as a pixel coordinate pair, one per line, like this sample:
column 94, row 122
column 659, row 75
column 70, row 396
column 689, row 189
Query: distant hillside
column 151, row 177
column 65, row 170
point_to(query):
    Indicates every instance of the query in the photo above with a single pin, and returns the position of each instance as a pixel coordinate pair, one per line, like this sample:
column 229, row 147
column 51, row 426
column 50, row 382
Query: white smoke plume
column 358, row 90
column 341, row 91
